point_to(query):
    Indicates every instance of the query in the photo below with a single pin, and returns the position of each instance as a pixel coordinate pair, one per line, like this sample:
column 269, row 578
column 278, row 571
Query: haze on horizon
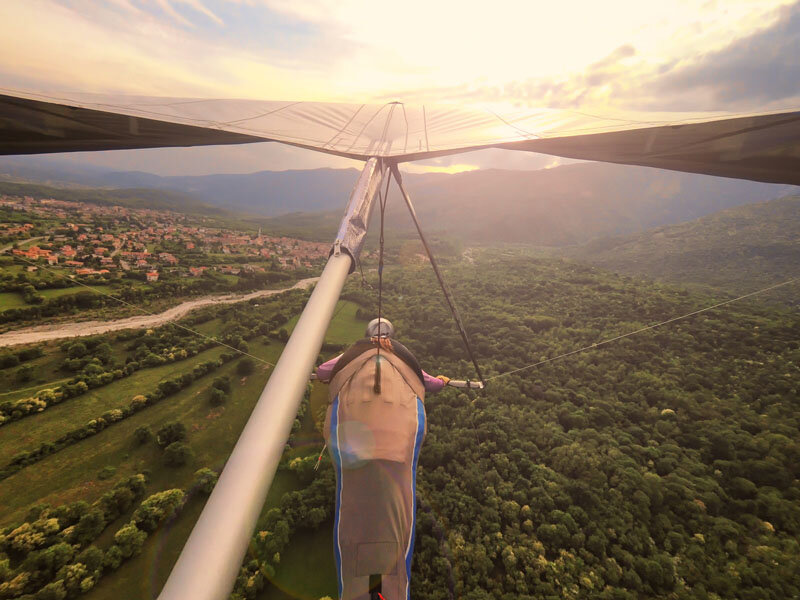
column 617, row 55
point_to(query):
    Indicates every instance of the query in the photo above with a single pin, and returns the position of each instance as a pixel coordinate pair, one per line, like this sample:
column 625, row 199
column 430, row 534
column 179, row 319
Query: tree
column 158, row 507
column 8, row 360
column 112, row 558
column 222, row 383
column 205, row 479
column 142, row 435
column 177, row 454
column 92, row 557
column 77, row 350
column 129, row 539
column 24, row 373
column 103, row 352
column 245, row 366
column 89, row 527
column 218, row 397
column 170, row 433
column 52, row 591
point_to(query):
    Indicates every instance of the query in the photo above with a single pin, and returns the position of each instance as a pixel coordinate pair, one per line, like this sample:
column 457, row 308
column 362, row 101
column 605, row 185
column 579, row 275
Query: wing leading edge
column 761, row 147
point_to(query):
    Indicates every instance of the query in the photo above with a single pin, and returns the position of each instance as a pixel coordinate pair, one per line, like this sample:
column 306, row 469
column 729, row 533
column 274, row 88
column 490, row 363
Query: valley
column 662, row 465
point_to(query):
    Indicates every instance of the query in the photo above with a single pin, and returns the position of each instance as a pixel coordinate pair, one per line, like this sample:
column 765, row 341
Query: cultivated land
column 72, row 473
column 294, row 578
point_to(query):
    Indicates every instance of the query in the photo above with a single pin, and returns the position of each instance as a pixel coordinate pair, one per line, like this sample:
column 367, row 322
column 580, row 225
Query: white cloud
column 525, row 51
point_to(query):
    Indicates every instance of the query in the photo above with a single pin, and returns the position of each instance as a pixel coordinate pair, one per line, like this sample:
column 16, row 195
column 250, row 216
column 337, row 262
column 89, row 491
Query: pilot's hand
column 444, row 379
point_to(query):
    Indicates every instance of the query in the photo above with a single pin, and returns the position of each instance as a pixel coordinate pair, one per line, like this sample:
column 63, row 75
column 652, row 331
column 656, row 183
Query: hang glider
column 761, row 147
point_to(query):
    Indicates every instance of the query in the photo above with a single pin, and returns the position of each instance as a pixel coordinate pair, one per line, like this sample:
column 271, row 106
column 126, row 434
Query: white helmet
column 380, row 328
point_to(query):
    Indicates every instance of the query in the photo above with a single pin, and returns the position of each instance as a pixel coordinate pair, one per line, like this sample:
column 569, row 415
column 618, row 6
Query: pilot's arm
column 325, row 370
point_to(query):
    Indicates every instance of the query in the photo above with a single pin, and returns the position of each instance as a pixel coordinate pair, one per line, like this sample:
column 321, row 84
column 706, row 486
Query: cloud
column 759, row 69
column 733, row 68
column 571, row 54
column 599, row 80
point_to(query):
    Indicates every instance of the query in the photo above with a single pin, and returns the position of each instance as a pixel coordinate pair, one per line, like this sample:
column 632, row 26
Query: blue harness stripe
column 417, row 446
column 337, row 463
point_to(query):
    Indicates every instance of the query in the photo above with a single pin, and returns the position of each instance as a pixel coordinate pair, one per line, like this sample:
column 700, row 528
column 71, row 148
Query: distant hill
column 561, row 206
column 133, row 198
column 740, row 249
column 564, row 205
column 263, row 193
column 574, row 203
column 555, row 207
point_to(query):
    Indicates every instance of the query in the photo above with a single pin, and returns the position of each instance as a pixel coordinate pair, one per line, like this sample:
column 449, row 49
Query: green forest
column 661, row 466
column 664, row 465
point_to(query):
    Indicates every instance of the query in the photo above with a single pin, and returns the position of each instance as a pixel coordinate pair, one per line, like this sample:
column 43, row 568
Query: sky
column 671, row 55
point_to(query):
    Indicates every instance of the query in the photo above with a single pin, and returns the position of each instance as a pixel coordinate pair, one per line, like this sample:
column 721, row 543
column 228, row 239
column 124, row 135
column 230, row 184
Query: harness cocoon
column 374, row 441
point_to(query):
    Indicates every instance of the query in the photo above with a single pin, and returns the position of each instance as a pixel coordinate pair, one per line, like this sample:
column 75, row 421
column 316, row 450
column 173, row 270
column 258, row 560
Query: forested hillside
column 664, row 465
column 740, row 249
column 661, row 466
column 130, row 197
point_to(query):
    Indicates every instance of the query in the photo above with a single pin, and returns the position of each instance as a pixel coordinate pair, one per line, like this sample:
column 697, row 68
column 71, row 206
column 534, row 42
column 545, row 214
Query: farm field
column 11, row 300
column 45, row 370
column 15, row 299
column 307, row 568
column 58, row 292
column 74, row 472
column 59, row 419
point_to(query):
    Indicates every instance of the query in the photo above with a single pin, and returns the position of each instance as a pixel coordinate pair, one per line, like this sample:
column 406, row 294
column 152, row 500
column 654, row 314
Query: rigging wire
column 646, row 328
column 447, row 296
column 382, row 199
column 338, row 310
column 147, row 312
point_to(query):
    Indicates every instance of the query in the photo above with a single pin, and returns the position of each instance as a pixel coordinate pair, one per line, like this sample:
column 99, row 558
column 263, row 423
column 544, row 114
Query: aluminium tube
column 210, row 561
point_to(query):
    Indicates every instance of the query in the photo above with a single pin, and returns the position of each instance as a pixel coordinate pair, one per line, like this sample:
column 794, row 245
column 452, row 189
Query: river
column 41, row 333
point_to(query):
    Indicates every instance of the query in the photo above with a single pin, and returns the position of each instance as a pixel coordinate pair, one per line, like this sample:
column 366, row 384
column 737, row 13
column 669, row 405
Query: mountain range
column 565, row 205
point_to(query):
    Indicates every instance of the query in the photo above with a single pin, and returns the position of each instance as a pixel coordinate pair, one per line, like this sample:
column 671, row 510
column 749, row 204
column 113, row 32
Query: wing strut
column 435, row 265
column 210, row 561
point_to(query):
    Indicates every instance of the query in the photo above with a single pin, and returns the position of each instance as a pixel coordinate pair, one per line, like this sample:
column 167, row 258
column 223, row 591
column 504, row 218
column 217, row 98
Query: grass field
column 307, row 568
column 345, row 328
column 11, row 300
column 45, row 370
column 29, row 432
column 72, row 473
column 58, row 292
column 15, row 300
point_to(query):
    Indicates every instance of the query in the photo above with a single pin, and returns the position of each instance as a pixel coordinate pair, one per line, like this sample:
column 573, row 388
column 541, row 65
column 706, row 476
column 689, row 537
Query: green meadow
column 11, row 300
column 73, row 473
column 58, row 292
column 59, row 419
column 15, row 300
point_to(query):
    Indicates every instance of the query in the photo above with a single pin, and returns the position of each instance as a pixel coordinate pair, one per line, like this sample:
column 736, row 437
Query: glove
column 444, row 379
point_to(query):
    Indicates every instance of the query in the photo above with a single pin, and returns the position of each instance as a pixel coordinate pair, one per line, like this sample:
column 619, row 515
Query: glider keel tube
column 209, row 563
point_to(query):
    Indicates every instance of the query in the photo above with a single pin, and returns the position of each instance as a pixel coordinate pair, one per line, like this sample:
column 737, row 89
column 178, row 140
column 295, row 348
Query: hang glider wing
column 762, row 147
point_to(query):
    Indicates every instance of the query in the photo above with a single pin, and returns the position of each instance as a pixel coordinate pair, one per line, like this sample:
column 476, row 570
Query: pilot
column 374, row 428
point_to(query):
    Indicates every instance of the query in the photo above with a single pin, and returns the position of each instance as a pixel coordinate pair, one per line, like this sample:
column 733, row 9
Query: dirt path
column 42, row 333
column 19, row 242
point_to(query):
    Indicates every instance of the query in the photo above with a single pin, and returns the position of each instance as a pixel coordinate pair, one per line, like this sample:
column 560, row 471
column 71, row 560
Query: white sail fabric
column 762, row 147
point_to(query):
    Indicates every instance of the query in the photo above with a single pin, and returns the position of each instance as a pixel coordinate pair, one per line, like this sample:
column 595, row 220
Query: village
column 96, row 240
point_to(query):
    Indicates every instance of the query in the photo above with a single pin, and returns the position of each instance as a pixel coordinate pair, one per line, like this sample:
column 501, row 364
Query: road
column 41, row 333
column 20, row 243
